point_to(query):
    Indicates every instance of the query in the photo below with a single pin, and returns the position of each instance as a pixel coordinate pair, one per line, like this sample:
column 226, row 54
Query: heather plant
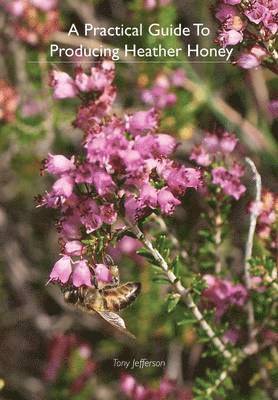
column 125, row 183
column 251, row 26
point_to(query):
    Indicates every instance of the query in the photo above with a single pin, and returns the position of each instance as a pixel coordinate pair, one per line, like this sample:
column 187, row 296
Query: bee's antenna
column 108, row 260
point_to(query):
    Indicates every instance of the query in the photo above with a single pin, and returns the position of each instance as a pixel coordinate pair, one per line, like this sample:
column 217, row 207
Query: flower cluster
column 65, row 351
column 124, row 174
column 8, row 102
column 161, row 94
column 223, row 294
column 267, row 212
column 252, row 23
column 95, row 89
column 211, row 154
column 34, row 21
column 167, row 389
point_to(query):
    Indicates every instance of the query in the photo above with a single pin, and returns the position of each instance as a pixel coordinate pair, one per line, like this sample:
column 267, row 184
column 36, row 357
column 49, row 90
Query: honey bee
column 106, row 301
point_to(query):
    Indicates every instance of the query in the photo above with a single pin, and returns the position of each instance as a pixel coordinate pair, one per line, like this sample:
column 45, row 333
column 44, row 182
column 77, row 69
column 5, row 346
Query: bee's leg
column 115, row 279
column 109, row 262
column 115, row 275
column 95, row 282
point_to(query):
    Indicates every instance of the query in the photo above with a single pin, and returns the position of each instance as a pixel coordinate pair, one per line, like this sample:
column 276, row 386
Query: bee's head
column 70, row 294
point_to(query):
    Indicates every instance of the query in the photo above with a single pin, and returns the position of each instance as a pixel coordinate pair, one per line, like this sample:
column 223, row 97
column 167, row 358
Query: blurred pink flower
column 228, row 181
column 273, row 108
column 223, row 294
column 44, row 5
column 63, row 85
column 252, row 59
column 232, row 336
column 248, row 61
column 58, row 351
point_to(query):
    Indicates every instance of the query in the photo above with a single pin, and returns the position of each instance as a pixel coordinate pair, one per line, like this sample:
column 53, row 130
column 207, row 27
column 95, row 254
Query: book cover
column 138, row 208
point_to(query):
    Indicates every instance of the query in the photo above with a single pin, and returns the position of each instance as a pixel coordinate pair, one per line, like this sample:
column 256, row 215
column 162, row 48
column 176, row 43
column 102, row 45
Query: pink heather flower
column 193, row 178
column 223, row 294
column 223, row 12
column 228, row 181
column 127, row 384
column 108, row 214
column 74, row 248
column 178, row 77
column 151, row 4
column 179, row 179
column 30, row 108
column 15, row 8
column 81, row 274
column 132, row 159
column 142, row 121
column 44, row 5
column 146, row 145
column 63, row 187
column 64, row 86
column 258, row 51
column 90, row 216
column 211, row 142
column 270, row 24
column 148, row 196
column 167, row 201
column 165, row 144
column 200, row 156
column 252, row 59
column 70, row 227
column 228, row 142
column 230, row 37
column 58, row 164
column 256, row 13
column 82, row 81
column 255, row 207
column 102, row 75
column 248, row 61
column 102, row 273
column 134, row 209
column 103, row 182
column 129, row 245
column 159, row 94
column 232, row 336
column 62, row 270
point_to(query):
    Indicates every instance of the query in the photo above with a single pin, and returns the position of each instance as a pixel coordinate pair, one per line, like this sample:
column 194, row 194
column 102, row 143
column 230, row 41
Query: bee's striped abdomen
column 115, row 299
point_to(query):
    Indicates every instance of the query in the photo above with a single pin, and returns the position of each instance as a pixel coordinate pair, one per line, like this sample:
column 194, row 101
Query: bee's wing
column 116, row 321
